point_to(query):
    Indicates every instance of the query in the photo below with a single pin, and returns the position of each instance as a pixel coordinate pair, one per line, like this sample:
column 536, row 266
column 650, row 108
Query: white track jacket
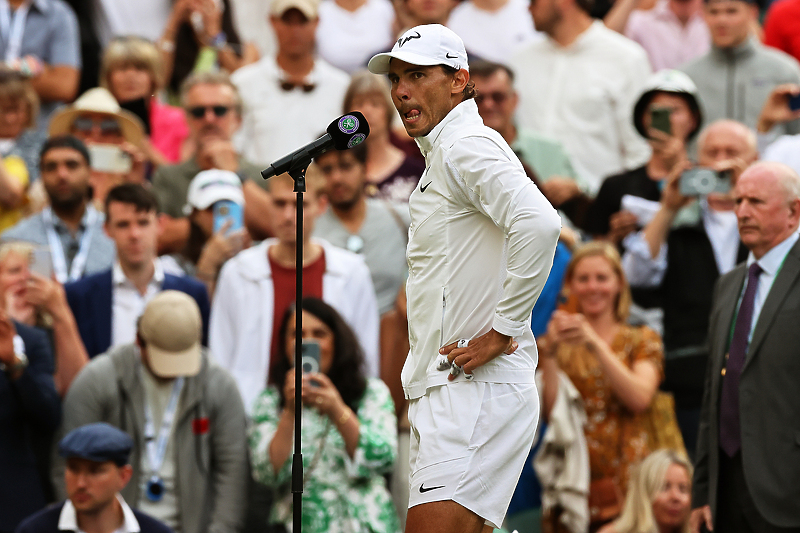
column 481, row 244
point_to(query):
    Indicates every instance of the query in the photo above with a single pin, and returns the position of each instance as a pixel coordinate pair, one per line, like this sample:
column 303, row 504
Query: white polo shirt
column 68, row 518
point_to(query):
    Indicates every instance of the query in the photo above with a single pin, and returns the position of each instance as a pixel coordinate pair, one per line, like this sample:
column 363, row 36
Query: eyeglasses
column 107, row 126
column 201, row 110
column 289, row 86
column 496, row 97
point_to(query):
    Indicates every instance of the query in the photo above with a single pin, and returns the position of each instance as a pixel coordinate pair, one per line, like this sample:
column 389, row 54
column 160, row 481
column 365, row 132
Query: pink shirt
column 168, row 129
column 667, row 42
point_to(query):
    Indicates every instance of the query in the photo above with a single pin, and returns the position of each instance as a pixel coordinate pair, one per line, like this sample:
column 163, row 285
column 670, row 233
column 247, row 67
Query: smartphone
column 41, row 262
column 109, row 158
column 139, row 108
column 703, row 181
column 225, row 210
column 310, row 358
column 794, row 102
column 659, row 119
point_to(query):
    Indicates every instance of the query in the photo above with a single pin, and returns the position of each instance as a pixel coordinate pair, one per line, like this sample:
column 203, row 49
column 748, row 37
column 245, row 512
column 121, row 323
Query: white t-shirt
column 146, row 18
column 494, row 35
column 347, row 39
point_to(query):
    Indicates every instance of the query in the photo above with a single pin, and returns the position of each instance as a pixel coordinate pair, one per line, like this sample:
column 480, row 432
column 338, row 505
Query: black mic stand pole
column 298, row 173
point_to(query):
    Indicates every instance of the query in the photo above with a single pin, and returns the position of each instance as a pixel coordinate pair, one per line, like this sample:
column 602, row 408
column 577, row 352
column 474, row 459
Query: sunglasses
column 496, row 97
column 201, row 110
column 107, row 126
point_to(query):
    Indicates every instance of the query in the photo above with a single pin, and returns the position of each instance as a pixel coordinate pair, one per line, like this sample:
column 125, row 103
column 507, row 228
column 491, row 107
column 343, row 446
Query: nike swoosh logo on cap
column 448, row 56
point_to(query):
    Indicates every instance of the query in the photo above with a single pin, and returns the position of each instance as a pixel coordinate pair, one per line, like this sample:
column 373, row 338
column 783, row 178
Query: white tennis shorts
column 469, row 443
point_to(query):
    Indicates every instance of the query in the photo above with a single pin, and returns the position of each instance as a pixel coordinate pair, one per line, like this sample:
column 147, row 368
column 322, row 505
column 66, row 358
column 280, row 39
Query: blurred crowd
column 147, row 271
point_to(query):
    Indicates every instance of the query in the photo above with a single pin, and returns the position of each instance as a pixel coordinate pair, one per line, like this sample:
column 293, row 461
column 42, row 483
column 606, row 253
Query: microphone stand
column 297, row 171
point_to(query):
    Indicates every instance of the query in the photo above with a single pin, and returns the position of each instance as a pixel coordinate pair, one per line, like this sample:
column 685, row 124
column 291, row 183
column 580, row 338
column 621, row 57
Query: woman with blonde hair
column 615, row 367
column 131, row 69
column 659, row 496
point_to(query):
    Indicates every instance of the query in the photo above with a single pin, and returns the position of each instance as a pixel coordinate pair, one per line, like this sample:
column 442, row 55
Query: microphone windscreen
column 349, row 130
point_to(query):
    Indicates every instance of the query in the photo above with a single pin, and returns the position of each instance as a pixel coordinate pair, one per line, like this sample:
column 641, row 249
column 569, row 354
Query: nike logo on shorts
column 423, row 490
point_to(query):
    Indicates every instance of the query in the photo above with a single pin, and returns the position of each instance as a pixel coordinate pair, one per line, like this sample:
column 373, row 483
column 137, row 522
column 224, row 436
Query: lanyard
column 12, row 34
column 156, row 448
column 57, row 250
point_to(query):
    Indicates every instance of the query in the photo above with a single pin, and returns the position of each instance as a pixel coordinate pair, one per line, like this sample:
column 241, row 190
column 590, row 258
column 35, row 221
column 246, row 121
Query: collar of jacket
column 254, row 264
column 462, row 115
column 736, row 53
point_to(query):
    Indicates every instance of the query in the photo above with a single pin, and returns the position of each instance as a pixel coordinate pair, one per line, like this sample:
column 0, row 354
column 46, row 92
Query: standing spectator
column 29, row 408
column 391, row 173
column 40, row 39
column 349, row 434
column 344, row 48
column 672, row 33
column 214, row 111
column 191, row 472
column 782, row 27
column 737, row 75
column 785, row 148
column 131, row 71
column 97, row 119
column 492, row 29
column 417, row 12
column 742, row 480
column 258, row 285
column 579, row 85
column 290, row 97
column 71, row 227
column 679, row 263
column 615, row 367
column 107, row 304
column 90, row 46
column 97, row 470
column 19, row 112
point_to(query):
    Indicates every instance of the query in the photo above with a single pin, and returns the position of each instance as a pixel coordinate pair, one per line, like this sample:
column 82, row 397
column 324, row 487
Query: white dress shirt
column 583, row 95
column 127, row 303
column 68, row 518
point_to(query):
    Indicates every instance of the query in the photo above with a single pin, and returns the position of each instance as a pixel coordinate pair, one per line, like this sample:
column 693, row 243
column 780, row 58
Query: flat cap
column 98, row 442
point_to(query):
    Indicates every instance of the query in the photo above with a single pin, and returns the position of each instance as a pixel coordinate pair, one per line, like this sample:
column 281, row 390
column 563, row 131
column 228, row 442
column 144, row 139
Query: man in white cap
column 185, row 415
column 481, row 245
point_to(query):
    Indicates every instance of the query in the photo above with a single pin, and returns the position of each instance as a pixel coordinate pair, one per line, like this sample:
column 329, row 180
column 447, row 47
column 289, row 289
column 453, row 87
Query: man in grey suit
column 747, row 476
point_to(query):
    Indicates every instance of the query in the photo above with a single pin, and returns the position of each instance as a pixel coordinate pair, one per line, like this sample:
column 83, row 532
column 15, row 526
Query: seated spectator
column 288, row 97
column 492, row 29
column 257, row 286
column 131, row 71
column 680, row 259
column 200, row 36
column 190, row 473
column 391, row 173
column 37, row 300
column 214, row 112
column 544, row 157
column 736, row 76
column 19, row 113
column 97, row 470
column 107, row 304
column 349, row 435
column 615, row 367
column 208, row 248
column 29, row 411
column 113, row 136
column 784, row 148
column 578, row 87
column 70, row 226
column 782, row 27
column 350, row 50
column 44, row 46
column 672, row 33
column 659, row 496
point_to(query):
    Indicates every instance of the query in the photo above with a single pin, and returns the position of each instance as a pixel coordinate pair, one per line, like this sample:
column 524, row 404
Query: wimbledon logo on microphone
column 349, row 124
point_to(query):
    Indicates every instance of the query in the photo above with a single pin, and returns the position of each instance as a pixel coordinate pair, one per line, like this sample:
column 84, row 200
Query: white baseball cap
column 210, row 186
column 426, row 45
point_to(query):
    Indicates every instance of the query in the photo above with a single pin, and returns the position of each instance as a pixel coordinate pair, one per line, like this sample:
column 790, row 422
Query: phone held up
column 702, row 181
column 309, row 361
column 659, row 119
column 794, row 102
column 225, row 210
column 109, row 158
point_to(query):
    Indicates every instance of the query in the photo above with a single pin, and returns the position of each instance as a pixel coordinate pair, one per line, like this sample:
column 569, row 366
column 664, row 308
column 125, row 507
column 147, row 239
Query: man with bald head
column 748, row 460
column 683, row 260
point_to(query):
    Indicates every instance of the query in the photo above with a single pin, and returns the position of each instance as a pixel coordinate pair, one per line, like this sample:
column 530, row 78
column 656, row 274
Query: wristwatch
column 19, row 366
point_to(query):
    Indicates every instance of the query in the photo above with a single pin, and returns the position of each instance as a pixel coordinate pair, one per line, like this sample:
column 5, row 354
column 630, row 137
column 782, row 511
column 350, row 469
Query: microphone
column 345, row 132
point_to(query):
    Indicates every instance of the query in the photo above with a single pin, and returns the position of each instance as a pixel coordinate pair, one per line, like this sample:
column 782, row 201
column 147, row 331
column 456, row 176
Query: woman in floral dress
column 349, row 435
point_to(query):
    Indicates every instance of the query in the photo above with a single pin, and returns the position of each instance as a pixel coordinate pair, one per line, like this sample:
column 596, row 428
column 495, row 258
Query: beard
column 67, row 203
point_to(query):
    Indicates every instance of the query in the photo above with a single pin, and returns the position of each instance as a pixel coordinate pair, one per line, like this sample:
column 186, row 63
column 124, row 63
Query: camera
column 704, row 181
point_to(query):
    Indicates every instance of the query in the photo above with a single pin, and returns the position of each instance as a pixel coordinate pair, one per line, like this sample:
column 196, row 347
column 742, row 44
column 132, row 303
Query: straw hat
column 98, row 100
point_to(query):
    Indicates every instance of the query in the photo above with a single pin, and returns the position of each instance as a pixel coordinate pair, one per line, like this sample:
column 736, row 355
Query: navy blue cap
column 98, row 442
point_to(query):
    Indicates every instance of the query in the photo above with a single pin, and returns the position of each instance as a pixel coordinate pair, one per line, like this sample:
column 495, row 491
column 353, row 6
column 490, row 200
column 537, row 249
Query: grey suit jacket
column 769, row 397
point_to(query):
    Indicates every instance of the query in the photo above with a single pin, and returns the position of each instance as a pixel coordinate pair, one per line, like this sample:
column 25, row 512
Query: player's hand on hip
column 479, row 351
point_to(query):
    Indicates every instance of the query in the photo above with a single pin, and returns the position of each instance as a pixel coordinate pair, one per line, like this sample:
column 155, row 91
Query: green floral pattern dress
column 340, row 494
